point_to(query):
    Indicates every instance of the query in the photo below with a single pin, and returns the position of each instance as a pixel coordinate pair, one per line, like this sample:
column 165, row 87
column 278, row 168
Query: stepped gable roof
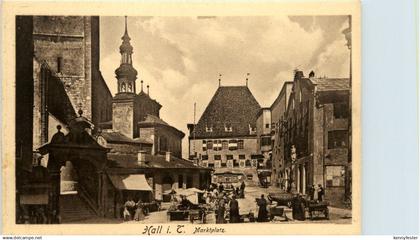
column 331, row 84
column 230, row 105
column 151, row 161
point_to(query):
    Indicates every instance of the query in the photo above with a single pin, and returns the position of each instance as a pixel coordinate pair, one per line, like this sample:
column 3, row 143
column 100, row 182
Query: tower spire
column 125, row 73
column 247, row 76
column 125, row 26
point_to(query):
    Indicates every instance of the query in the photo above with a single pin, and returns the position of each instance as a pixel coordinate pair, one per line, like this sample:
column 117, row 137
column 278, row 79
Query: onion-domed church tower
column 124, row 102
column 125, row 73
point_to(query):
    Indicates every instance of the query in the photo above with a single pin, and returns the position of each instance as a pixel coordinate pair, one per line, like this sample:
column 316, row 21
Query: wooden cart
column 276, row 211
column 318, row 209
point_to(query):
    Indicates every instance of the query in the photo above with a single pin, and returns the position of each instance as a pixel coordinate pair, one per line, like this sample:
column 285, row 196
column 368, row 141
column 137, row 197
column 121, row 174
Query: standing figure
column 139, row 214
column 221, row 211
column 242, row 189
column 126, row 214
column 321, row 193
column 234, row 210
column 262, row 210
column 298, row 208
column 311, row 192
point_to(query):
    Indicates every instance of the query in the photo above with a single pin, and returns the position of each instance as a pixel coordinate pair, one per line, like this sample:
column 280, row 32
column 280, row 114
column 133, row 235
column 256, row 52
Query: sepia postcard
column 181, row 119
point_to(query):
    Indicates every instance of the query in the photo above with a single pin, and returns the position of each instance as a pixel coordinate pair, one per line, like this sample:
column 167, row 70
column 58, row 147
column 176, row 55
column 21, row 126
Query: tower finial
column 141, row 85
column 148, row 89
column 247, row 75
column 125, row 24
column 220, row 79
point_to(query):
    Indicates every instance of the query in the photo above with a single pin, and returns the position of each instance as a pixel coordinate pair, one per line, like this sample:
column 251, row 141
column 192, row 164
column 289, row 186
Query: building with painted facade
column 225, row 136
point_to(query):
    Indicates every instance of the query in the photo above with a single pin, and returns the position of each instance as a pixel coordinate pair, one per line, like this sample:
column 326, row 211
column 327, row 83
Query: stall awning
column 130, row 182
column 33, row 199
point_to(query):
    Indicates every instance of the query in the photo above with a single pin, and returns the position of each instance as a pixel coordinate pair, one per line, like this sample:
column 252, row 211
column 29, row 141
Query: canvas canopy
column 131, row 182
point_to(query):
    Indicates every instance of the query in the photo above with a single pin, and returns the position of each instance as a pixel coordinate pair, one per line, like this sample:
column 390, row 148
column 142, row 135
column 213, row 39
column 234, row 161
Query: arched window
column 130, row 88
column 123, row 87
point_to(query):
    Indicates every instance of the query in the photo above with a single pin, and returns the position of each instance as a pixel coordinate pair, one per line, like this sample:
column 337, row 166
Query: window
column 217, row 157
column 240, row 144
column 249, row 177
column 209, row 145
column 341, row 110
column 334, row 176
column 242, row 163
column 228, row 127
column 235, row 163
column 209, row 128
column 266, row 141
column 223, row 164
column 204, row 157
column 217, row 146
column 233, row 145
column 210, row 165
column 337, row 139
column 267, row 125
column 225, row 144
column 204, row 145
column 242, row 156
column 248, row 163
column 229, row 157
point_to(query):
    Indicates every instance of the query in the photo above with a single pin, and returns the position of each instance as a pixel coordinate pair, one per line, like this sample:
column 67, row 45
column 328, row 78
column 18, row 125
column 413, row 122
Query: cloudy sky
column 181, row 57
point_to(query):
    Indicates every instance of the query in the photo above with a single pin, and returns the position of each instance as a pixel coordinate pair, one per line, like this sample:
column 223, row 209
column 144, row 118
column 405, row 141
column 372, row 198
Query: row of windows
column 218, row 145
column 219, row 157
column 229, row 128
column 230, row 163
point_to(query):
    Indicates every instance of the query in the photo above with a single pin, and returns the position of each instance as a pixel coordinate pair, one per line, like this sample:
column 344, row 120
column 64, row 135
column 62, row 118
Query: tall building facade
column 278, row 116
column 315, row 135
column 225, row 136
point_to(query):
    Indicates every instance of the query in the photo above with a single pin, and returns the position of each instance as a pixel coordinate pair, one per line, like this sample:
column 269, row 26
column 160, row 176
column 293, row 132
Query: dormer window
column 228, row 127
column 209, row 128
column 252, row 129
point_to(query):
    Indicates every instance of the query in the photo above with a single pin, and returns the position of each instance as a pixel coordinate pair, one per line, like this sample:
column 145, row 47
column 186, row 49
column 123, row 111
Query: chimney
column 168, row 156
column 312, row 74
column 298, row 74
column 141, row 157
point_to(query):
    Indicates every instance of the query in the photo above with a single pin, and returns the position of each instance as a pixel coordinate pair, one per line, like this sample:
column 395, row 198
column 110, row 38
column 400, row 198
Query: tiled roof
column 230, row 105
column 142, row 95
column 152, row 161
column 121, row 138
column 331, row 84
column 152, row 120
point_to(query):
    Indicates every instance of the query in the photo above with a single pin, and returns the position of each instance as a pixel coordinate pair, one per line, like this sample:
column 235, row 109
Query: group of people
column 316, row 193
column 223, row 203
column 133, row 210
